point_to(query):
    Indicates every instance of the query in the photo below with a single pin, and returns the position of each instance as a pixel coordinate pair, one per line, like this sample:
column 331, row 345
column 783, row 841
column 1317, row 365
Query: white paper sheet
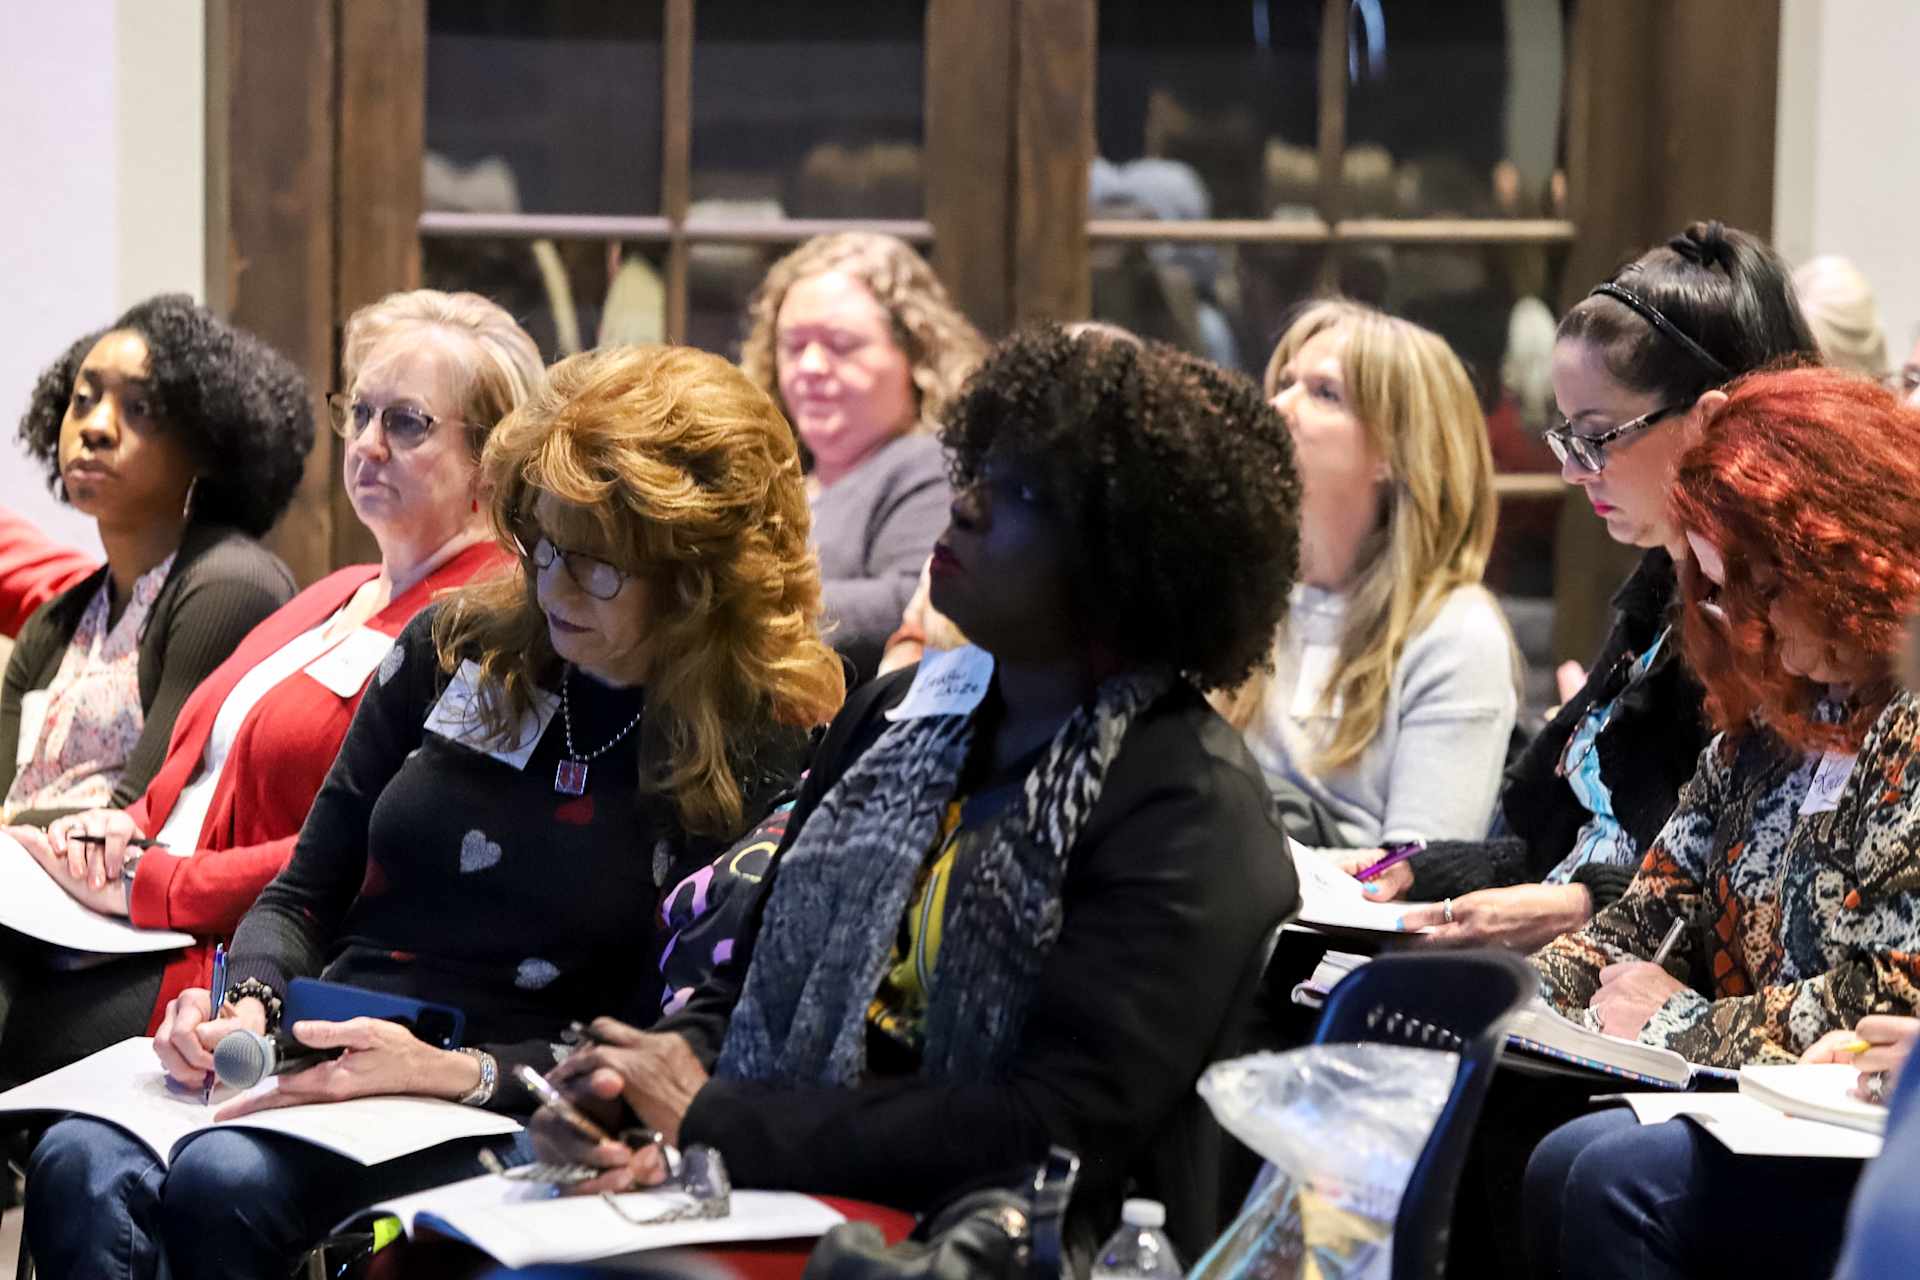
column 125, row 1086
column 1747, row 1127
column 1814, row 1091
column 31, row 903
column 519, row 1224
column 1332, row 899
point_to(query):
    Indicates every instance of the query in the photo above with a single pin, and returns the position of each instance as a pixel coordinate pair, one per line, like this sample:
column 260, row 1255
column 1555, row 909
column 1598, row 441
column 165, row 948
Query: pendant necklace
column 570, row 779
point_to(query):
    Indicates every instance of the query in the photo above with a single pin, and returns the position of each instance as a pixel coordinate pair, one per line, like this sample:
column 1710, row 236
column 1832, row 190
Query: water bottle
column 1139, row 1250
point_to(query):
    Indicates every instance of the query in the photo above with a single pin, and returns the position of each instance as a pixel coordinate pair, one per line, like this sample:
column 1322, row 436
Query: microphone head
column 243, row 1059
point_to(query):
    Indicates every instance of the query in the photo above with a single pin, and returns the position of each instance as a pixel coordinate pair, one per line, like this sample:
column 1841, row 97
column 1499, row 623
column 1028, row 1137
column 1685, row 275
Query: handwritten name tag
column 950, row 683
column 456, row 717
column 1829, row 780
column 344, row 669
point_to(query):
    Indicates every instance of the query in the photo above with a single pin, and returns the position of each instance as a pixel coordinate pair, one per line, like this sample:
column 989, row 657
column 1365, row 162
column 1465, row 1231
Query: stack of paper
column 1814, row 1091
column 125, row 1087
column 1746, row 1126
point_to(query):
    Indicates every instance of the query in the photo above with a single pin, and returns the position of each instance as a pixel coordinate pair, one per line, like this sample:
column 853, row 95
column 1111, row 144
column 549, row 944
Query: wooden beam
column 676, row 154
column 1332, row 85
column 968, row 132
column 1053, row 150
column 383, row 111
column 270, row 261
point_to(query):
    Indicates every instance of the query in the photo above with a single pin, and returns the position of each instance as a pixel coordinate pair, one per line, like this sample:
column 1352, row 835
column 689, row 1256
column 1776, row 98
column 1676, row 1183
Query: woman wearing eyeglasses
column 1579, row 809
column 427, row 376
column 534, row 761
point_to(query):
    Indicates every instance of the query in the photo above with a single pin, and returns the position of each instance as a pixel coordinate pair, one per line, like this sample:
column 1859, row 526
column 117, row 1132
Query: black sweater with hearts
column 434, row 870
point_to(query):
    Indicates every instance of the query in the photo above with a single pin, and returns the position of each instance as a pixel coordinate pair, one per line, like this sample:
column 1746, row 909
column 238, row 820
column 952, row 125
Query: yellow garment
column 899, row 1008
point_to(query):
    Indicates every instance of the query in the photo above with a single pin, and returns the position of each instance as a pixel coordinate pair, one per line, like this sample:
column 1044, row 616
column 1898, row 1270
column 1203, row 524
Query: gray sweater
column 874, row 528
column 1433, row 770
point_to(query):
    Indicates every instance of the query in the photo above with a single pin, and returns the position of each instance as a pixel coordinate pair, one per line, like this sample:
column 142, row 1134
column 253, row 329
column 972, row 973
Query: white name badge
column 456, row 718
column 33, row 719
column 1316, row 668
column 948, row 683
column 1829, row 780
column 344, row 669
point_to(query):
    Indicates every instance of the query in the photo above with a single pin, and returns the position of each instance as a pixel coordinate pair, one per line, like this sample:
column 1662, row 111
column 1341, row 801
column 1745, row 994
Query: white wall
column 1847, row 150
column 102, row 142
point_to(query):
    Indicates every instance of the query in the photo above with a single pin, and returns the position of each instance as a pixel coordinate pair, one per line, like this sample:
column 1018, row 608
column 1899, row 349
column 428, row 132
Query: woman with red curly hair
column 1790, row 855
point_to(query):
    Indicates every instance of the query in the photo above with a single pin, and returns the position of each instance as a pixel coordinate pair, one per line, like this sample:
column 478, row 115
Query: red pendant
column 570, row 779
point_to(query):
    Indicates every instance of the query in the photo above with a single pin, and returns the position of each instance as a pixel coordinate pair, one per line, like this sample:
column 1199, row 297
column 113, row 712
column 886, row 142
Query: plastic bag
column 1340, row 1127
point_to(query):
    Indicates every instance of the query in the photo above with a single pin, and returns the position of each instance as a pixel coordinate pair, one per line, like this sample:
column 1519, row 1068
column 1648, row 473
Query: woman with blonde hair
column 427, row 374
column 859, row 345
column 1840, row 309
column 1386, row 718
column 536, row 758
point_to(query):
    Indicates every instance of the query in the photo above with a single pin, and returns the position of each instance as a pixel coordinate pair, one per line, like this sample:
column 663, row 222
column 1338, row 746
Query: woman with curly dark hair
column 1025, row 881
column 183, row 438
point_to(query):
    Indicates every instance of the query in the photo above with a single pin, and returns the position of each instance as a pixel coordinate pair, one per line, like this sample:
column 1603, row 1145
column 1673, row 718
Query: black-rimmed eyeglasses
column 591, row 574
column 1589, row 452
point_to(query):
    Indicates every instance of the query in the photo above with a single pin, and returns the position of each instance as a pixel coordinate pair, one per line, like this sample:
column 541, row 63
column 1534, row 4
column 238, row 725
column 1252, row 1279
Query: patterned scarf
column 844, row 884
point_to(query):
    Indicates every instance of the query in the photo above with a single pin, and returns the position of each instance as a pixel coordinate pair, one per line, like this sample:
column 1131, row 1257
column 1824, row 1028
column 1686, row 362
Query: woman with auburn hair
column 1395, row 684
column 427, row 374
column 858, row 343
column 1790, row 857
column 618, row 710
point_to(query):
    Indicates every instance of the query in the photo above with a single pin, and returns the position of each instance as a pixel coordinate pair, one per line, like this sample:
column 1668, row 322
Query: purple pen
column 1397, row 853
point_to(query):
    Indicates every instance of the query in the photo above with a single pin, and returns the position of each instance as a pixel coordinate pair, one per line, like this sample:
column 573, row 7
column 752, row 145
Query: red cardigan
column 33, row 570
column 278, row 760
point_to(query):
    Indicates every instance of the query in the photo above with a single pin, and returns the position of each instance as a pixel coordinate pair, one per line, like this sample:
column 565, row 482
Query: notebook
column 1748, row 1127
column 1333, row 901
column 124, row 1086
column 1814, row 1091
column 519, row 1224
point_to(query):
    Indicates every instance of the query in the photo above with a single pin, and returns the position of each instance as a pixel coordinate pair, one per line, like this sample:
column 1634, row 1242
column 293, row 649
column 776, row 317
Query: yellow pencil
column 1855, row 1047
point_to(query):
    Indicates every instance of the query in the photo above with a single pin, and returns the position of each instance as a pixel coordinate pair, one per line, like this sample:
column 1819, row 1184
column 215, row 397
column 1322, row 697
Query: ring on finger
column 1446, row 911
column 1875, row 1086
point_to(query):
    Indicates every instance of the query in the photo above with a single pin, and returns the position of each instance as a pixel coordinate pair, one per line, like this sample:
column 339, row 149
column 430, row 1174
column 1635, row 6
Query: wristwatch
column 129, row 863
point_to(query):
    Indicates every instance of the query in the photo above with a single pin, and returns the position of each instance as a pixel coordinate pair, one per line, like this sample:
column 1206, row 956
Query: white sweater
column 1433, row 770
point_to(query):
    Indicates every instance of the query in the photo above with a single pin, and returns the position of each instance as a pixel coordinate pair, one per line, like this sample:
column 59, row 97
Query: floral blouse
column 1811, row 911
column 76, row 734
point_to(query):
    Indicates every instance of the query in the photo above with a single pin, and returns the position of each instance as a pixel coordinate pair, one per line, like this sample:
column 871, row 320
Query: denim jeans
column 236, row 1203
column 1606, row 1196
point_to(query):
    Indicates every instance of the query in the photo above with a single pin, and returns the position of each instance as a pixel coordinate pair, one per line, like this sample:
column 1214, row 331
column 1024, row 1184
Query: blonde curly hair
column 667, row 461
column 941, row 345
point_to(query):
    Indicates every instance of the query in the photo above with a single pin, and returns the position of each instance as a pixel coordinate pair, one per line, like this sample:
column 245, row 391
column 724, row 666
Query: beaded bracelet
column 266, row 995
column 481, row 1094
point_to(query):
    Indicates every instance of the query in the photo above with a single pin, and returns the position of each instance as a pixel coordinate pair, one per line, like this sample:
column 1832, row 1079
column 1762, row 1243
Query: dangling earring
column 186, row 507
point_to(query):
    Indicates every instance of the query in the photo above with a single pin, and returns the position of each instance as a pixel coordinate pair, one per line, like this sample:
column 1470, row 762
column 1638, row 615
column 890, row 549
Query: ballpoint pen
column 1674, row 930
column 218, row 1002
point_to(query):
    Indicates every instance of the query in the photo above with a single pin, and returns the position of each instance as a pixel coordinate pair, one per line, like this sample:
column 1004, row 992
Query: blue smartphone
column 440, row 1025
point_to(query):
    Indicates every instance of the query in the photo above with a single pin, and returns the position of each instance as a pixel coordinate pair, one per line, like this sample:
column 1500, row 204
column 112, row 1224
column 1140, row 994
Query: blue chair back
column 1457, row 1001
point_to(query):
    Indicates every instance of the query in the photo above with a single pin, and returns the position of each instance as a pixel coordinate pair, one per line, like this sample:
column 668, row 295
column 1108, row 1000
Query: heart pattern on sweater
column 477, row 853
column 390, row 665
column 535, row 974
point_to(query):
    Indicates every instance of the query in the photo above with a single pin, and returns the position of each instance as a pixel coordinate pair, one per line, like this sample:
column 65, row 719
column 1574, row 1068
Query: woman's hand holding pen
column 652, row 1074
column 108, row 896
column 188, row 1032
column 1389, row 885
column 94, row 844
column 1880, row 1045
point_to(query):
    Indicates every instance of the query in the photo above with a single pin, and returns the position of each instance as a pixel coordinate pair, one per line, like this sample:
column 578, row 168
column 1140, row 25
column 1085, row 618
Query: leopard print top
column 1814, row 918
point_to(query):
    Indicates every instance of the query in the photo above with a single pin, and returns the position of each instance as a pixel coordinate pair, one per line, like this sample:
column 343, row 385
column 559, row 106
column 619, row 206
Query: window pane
column 1206, row 109
column 543, row 108
column 1493, row 148
column 570, row 294
column 811, row 110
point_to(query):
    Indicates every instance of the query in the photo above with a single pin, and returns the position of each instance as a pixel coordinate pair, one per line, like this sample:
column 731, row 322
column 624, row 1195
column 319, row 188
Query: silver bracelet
column 481, row 1094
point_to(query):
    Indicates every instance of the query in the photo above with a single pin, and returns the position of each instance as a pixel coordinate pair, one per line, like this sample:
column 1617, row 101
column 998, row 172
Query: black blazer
column 222, row 584
column 1647, row 753
column 1180, row 874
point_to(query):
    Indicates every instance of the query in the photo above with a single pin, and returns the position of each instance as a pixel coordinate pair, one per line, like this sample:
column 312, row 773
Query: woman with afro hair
column 184, row 439
column 1027, row 881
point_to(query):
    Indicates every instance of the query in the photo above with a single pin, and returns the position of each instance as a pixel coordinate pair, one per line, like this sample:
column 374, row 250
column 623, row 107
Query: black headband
column 1651, row 314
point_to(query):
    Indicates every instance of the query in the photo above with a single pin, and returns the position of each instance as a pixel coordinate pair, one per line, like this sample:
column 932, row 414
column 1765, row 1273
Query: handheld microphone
column 243, row 1059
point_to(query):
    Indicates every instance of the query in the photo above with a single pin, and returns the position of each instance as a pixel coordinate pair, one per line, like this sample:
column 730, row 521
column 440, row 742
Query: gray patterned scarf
column 843, row 885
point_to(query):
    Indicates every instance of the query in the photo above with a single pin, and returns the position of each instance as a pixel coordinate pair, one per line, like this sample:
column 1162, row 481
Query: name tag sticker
column 1829, row 780
column 344, row 669
column 33, row 720
column 951, row 683
column 1316, row 668
column 456, row 717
